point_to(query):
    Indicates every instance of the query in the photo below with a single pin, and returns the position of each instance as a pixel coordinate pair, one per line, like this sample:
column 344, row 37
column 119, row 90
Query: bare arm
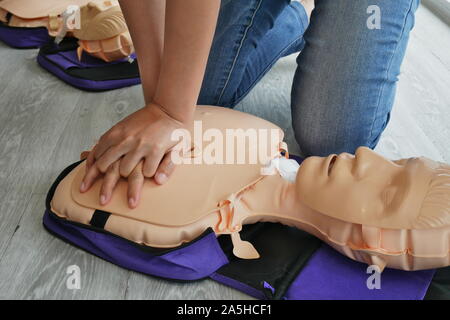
column 145, row 21
column 189, row 32
column 145, row 134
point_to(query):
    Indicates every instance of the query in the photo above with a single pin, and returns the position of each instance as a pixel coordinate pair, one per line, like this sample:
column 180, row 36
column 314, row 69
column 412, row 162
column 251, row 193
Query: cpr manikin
column 99, row 25
column 376, row 211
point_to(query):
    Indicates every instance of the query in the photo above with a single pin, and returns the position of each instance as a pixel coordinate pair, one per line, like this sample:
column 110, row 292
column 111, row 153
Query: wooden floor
column 44, row 125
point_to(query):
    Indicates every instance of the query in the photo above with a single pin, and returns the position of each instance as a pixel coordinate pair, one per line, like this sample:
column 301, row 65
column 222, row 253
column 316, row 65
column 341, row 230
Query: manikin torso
column 226, row 196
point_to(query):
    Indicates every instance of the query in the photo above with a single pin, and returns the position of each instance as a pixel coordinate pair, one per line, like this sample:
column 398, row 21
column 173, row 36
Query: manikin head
column 367, row 188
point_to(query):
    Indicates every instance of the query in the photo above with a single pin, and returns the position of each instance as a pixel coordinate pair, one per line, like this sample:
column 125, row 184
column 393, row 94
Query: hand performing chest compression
column 136, row 148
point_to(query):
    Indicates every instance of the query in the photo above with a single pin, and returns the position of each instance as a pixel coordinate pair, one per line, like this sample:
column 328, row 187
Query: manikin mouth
column 331, row 164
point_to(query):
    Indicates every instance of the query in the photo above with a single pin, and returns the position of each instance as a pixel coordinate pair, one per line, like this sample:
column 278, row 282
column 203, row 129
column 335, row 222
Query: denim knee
column 322, row 138
column 344, row 86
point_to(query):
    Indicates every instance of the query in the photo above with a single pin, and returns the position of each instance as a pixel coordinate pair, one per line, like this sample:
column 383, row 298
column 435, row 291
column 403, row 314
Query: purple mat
column 24, row 38
column 85, row 84
column 328, row 275
column 69, row 59
column 253, row 292
column 192, row 262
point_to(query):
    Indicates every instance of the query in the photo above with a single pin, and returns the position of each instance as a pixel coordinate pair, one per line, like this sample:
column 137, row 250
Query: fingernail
column 82, row 187
column 132, row 202
column 102, row 199
column 161, row 178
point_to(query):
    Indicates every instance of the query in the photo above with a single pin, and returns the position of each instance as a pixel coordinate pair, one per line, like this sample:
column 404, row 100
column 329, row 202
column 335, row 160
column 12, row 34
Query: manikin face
column 365, row 187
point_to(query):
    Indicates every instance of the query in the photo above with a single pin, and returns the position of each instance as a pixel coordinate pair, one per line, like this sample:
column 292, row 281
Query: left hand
column 144, row 135
column 111, row 178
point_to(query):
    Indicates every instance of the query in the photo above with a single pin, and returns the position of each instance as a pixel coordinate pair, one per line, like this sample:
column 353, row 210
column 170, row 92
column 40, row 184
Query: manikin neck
column 274, row 199
column 271, row 199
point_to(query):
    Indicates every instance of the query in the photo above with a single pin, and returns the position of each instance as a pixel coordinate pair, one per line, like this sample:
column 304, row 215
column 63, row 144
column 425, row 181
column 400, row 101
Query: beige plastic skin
column 111, row 49
column 33, row 9
column 101, row 20
column 32, row 13
column 378, row 192
column 103, row 33
column 403, row 232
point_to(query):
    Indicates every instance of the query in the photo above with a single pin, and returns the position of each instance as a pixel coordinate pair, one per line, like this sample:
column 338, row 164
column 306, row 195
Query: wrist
column 182, row 117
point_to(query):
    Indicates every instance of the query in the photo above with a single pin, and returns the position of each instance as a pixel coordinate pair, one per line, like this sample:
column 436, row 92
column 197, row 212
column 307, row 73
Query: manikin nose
column 364, row 159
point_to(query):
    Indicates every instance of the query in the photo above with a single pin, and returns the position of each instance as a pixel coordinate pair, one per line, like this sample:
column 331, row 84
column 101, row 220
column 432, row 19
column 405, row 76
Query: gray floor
column 45, row 124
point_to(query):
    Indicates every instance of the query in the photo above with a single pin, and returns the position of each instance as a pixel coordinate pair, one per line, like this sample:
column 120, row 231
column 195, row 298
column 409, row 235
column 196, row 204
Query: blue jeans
column 345, row 82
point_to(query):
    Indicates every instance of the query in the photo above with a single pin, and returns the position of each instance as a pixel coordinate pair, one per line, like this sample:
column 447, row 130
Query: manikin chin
column 386, row 213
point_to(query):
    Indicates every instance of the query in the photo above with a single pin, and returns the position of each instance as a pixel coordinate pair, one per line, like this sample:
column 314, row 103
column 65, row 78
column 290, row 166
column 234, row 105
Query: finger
column 112, row 155
column 89, row 178
column 110, row 180
column 151, row 164
column 108, row 140
column 129, row 162
column 165, row 169
column 135, row 183
column 84, row 155
column 90, row 159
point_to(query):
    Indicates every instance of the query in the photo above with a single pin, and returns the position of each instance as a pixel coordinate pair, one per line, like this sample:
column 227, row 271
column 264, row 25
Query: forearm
column 189, row 30
column 145, row 21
